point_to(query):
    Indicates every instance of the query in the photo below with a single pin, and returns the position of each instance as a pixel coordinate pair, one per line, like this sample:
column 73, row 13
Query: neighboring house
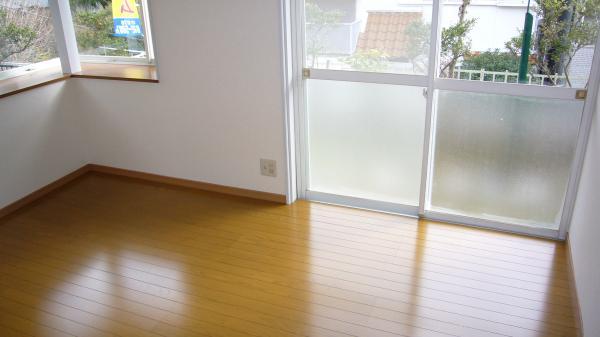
column 498, row 21
column 580, row 67
column 382, row 25
column 386, row 32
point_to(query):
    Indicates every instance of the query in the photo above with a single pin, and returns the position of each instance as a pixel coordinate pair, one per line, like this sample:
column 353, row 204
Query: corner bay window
column 105, row 32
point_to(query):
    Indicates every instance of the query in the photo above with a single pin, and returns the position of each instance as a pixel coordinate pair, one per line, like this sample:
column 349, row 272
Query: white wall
column 217, row 111
column 584, row 236
column 40, row 140
column 495, row 24
column 219, row 106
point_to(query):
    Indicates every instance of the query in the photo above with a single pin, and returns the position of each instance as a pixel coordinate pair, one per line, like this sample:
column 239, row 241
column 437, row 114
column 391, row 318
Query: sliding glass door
column 429, row 109
column 365, row 103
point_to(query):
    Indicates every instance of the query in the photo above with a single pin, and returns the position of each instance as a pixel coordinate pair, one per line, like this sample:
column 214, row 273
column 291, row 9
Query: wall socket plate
column 268, row 167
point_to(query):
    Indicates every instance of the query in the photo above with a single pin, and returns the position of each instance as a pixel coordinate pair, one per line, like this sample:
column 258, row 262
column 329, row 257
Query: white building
column 497, row 20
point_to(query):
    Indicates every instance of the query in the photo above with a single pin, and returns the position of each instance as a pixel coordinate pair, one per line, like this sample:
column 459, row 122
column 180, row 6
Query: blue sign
column 126, row 27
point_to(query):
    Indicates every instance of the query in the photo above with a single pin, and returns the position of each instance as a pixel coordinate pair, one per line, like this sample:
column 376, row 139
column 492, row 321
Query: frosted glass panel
column 366, row 140
column 503, row 158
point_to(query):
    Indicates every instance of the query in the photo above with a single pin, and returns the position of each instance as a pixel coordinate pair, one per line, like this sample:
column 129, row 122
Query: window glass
column 26, row 36
column 374, row 36
column 503, row 158
column 110, row 28
column 493, row 41
column 366, row 140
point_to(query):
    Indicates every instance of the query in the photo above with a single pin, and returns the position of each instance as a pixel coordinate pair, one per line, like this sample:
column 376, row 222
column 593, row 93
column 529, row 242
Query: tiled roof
column 386, row 32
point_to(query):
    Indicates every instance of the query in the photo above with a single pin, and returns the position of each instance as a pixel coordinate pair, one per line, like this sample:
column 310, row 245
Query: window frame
column 298, row 72
column 69, row 60
column 32, row 68
column 148, row 43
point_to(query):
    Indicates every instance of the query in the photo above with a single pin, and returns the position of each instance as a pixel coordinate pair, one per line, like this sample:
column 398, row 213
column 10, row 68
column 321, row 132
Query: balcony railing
column 510, row 77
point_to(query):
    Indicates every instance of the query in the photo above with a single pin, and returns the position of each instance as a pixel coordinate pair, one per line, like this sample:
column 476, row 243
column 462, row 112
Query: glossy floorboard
column 107, row 256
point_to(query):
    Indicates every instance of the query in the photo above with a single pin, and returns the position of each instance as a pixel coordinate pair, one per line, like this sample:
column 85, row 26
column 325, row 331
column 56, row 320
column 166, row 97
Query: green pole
column 525, row 47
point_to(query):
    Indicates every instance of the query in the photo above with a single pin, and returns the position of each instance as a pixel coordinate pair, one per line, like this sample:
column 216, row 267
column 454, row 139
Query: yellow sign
column 125, row 9
column 126, row 18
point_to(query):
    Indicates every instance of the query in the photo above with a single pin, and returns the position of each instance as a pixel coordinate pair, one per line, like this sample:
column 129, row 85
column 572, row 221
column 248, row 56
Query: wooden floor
column 108, row 256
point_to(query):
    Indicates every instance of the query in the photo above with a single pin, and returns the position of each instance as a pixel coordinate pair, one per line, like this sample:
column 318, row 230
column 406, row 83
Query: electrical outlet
column 268, row 167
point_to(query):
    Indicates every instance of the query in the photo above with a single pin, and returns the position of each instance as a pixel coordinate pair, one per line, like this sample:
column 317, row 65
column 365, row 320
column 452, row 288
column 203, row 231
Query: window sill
column 39, row 78
column 36, row 79
column 119, row 72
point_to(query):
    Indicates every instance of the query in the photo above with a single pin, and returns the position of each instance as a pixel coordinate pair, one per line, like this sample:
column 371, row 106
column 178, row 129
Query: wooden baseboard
column 43, row 191
column 573, row 289
column 198, row 185
column 278, row 198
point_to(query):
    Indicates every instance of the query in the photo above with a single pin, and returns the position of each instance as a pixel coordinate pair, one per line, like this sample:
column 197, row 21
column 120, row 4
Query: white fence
column 509, row 77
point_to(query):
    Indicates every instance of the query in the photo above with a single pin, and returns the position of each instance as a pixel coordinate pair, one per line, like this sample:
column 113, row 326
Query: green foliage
column 492, row 61
column 515, row 44
column 94, row 29
column 369, row 60
column 552, row 42
column 315, row 15
column 14, row 39
column 586, row 22
column 89, row 3
column 318, row 24
column 584, row 29
column 567, row 26
column 418, row 33
column 455, row 44
column 417, row 48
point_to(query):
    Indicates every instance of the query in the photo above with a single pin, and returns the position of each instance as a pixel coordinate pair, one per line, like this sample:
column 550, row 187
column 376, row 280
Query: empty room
column 368, row 168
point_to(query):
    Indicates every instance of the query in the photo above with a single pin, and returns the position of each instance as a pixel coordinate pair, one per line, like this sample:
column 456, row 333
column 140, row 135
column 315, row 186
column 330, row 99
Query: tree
column 14, row 39
column 566, row 27
column 551, row 42
column 455, row 44
column 583, row 30
column 318, row 23
column 514, row 48
column 514, row 45
column 417, row 49
column 94, row 30
column 89, row 3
